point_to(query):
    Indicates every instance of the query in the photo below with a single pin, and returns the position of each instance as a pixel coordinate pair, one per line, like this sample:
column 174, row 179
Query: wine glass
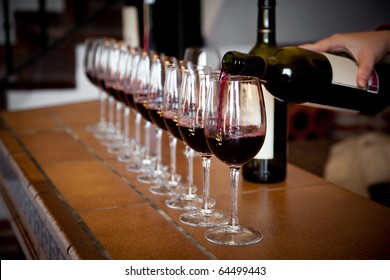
column 235, row 127
column 90, row 46
column 112, row 78
column 139, row 86
column 129, row 82
column 145, row 161
column 170, row 107
column 155, row 106
column 203, row 56
column 125, row 68
column 191, row 126
column 102, row 58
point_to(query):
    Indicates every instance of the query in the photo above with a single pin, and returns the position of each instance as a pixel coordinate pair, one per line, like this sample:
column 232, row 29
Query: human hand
column 367, row 48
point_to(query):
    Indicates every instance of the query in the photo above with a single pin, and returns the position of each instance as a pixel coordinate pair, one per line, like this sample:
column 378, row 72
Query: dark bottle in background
column 298, row 75
column 269, row 165
column 175, row 25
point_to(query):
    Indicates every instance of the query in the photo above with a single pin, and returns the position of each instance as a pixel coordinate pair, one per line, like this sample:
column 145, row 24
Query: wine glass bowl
column 203, row 56
column 235, row 127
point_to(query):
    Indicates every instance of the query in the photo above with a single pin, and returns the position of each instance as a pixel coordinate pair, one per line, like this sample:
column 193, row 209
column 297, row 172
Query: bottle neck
column 266, row 23
column 148, row 35
column 236, row 63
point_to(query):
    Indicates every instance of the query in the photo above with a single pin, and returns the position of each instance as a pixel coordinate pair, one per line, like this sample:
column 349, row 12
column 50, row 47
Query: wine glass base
column 99, row 135
column 183, row 203
column 233, row 236
column 169, row 190
column 153, row 176
column 174, row 179
column 108, row 134
column 115, row 149
column 111, row 140
column 139, row 165
column 92, row 127
column 187, row 202
column 146, row 178
column 99, row 128
column 125, row 157
column 202, row 218
column 135, row 167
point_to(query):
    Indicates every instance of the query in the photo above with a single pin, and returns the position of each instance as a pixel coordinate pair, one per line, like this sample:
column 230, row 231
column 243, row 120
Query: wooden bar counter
column 68, row 198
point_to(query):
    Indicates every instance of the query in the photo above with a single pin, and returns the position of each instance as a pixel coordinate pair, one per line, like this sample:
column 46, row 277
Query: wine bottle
column 297, row 75
column 269, row 165
column 148, row 35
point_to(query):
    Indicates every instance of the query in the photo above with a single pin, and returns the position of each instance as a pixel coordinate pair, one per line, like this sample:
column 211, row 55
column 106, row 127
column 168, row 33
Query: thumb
column 366, row 62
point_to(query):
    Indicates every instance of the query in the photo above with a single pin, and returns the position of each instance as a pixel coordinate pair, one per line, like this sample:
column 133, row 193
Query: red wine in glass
column 195, row 138
column 142, row 108
column 156, row 116
column 120, row 95
column 129, row 99
column 92, row 78
column 170, row 119
column 236, row 149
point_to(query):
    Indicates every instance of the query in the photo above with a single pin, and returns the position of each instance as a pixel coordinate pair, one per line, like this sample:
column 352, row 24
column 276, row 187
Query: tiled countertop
column 69, row 198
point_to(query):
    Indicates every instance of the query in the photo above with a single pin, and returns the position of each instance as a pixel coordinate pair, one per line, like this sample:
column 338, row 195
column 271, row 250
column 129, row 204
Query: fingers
column 366, row 65
column 333, row 43
column 312, row 47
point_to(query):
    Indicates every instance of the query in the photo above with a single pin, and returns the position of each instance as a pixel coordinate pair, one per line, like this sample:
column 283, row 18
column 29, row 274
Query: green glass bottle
column 269, row 166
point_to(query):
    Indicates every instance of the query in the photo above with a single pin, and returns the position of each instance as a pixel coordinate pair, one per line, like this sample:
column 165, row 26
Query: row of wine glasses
column 212, row 114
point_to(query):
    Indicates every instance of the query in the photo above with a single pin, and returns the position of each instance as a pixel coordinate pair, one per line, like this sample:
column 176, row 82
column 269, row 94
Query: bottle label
column 373, row 83
column 345, row 70
column 267, row 150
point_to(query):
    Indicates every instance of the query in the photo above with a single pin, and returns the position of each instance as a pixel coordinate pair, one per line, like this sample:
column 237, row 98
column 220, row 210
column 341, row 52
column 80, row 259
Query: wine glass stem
column 126, row 131
column 147, row 138
column 118, row 119
column 137, row 123
column 172, row 149
column 158, row 148
column 102, row 100
column 110, row 113
column 206, row 164
column 190, row 171
column 234, row 177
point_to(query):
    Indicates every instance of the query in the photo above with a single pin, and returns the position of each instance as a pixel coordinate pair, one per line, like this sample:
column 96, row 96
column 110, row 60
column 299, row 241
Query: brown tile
column 131, row 178
column 95, row 189
column 139, row 232
column 285, row 219
column 30, row 121
column 81, row 115
column 50, row 147
column 93, row 144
